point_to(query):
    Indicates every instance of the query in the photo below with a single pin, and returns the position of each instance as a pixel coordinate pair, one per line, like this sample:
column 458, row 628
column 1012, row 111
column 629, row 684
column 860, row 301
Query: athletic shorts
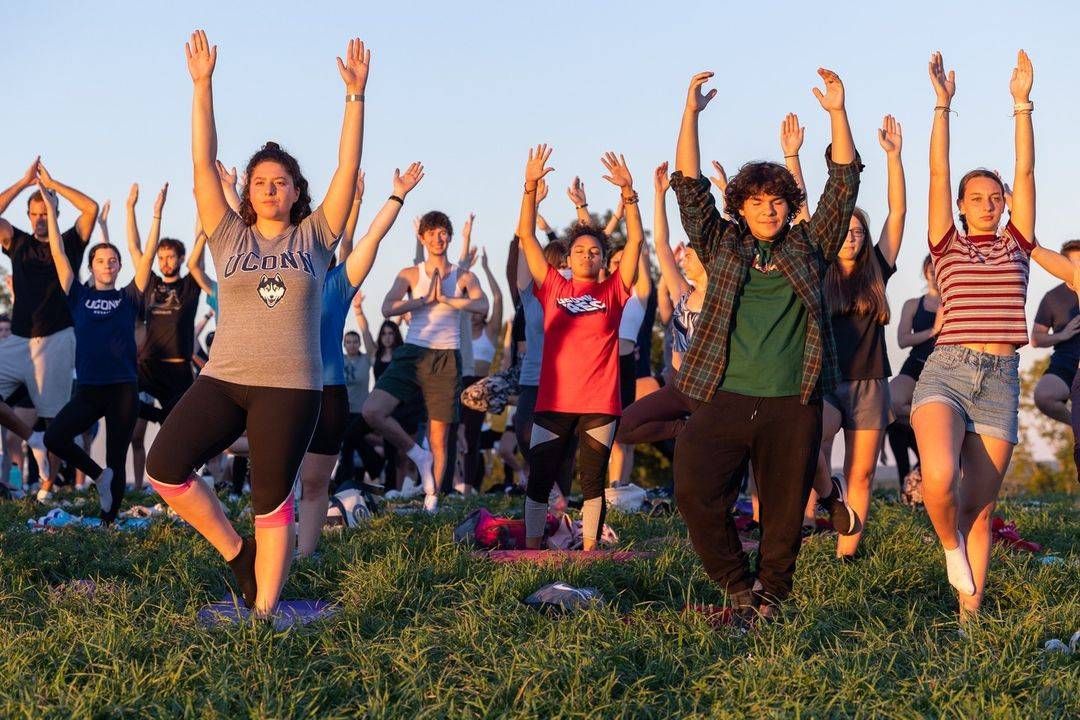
column 45, row 365
column 1064, row 372
column 424, row 373
column 912, row 367
column 983, row 389
column 627, row 379
column 333, row 419
column 863, row 404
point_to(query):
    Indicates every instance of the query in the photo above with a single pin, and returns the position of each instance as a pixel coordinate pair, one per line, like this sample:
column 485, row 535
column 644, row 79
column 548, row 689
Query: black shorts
column 333, row 419
column 912, row 367
column 627, row 379
column 1066, row 373
column 20, row 398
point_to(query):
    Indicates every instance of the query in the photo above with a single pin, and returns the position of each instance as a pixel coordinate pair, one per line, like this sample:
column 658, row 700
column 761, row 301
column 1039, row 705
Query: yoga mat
column 544, row 557
column 290, row 613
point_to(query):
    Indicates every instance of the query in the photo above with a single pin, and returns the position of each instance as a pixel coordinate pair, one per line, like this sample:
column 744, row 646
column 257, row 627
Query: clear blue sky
column 101, row 90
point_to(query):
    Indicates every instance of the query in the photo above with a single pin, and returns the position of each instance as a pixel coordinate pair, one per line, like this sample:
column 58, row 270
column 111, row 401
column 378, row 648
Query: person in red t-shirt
column 579, row 372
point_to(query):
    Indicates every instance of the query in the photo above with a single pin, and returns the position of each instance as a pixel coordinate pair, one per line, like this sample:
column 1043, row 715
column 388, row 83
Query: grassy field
column 427, row 631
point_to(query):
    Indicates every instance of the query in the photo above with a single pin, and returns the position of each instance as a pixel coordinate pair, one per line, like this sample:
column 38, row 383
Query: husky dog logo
column 271, row 290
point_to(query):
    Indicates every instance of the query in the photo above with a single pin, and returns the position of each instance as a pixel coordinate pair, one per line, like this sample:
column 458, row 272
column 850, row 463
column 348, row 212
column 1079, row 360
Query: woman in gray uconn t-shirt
column 265, row 370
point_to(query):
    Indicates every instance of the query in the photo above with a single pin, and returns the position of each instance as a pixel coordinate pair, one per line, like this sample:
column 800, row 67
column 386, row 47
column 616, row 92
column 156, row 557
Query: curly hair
column 435, row 219
column 102, row 246
column 767, row 178
column 173, row 244
column 272, row 152
column 976, row 173
column 583, row 229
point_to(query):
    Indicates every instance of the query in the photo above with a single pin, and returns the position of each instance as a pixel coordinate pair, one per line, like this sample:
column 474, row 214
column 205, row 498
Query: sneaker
column 43, row 496
column 410, row 488
column 842, row 517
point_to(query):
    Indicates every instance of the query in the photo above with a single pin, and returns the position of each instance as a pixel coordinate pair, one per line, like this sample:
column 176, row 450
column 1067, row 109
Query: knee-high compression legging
column 118, row 403
column 209, row 418
column 552, row 436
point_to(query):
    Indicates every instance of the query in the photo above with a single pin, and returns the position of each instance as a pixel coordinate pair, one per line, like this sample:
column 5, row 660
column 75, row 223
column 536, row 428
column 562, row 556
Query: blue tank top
column 337, row 297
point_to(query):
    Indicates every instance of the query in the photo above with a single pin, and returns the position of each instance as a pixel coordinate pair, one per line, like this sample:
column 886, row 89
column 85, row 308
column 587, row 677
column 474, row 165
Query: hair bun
column 271, row 145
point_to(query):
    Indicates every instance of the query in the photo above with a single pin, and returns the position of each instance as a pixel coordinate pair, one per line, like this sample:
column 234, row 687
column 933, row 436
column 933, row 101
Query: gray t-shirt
column 357, row 380
column 270, row 292
column 534, row 338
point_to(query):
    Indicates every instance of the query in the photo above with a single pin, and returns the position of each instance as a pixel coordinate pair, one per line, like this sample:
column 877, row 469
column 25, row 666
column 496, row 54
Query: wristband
column 582, row 206
column 528, row 191
column 1023, row 107
column 630, row 200
column 399, row 200
column 792, row 156
column 355, row 98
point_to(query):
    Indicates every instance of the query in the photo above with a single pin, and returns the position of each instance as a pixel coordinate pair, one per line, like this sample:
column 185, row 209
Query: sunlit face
column 982, row 205
column 853, row 243
column 168, row 262
column 692, row 268
column 386, row 337
column 352, row 344
column 39, row 218
column 931, row 277
column 5, row 329
column 105, row 266
column 586, row 258
column 765, row 215
column 272, row 191
column 435, row 240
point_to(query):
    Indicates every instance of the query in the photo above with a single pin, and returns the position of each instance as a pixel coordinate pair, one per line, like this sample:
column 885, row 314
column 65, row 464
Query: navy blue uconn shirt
column 105, row 351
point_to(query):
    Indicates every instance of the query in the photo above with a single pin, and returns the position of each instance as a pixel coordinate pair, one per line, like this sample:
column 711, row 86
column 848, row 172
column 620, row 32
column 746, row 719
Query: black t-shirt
column 1057, row 308
column 169, row 312
column 860, row 340
column 40, row 304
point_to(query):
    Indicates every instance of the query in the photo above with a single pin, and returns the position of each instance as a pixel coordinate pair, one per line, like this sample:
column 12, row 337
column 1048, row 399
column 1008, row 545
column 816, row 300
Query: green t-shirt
column 768, row 334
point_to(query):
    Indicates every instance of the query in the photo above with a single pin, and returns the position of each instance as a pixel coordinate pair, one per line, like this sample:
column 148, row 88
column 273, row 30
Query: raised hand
column 618, row 172
column 30, row 176
column 484, row 262
column 537, row 166
column 696, row 101
column 660, row 178
column 50, row 197
column 466, row 230
column 833, row 97
column 541, row 191
column 103, row 216
column 133, row 196
column 890, row 136
column 576, row 193
column 225, row 175
column 358, row 302
column 159, row 204
column 944, row 85
column 403, row 183
column 354, row 68
column 201, row 56
column 1022, row 78
column 468, row 260
column 791, row 135
column 720, row 178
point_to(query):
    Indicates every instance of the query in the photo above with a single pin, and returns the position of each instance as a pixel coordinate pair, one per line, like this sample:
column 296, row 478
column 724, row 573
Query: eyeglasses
column 857, row 234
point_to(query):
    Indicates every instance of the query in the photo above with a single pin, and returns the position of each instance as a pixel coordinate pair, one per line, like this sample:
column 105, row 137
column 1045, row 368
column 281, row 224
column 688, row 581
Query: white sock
column 535, row 518
column 36, row 443
column 104, row 489
column 424, row 462
column 958, row 569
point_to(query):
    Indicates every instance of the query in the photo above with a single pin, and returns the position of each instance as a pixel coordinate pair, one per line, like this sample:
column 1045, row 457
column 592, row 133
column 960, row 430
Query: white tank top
column 435, row 326
column 482, row 349
column 632, row 316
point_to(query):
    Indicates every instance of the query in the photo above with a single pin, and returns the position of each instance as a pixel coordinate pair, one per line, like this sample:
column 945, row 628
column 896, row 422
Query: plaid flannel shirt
column 802, row 253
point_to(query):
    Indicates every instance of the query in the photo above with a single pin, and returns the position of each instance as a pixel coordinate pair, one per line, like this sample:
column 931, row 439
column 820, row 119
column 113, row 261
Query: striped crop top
column 983, row 282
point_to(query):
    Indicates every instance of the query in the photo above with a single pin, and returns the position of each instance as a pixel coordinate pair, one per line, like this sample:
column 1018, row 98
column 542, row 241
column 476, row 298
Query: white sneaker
column 958, row 569
column 409, row 488
column 425, row 463
column 104, row 489
column 36, row 443
column 431, row 504
column 44, row 496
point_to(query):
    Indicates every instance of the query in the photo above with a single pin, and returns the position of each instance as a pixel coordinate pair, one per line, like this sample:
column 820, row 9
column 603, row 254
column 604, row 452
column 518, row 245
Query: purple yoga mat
column 290, row 613
column 543, row 557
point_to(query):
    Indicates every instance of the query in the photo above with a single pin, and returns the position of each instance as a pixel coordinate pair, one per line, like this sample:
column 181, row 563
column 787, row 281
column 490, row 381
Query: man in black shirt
column 1057, row 325
column 40, row 353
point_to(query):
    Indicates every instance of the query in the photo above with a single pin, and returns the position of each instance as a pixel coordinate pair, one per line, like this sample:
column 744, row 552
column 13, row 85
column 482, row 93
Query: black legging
column 901, row 439
column 213, row 414
column 166, row 381
column 473, row 420
column 355, row 440
column 119, row 405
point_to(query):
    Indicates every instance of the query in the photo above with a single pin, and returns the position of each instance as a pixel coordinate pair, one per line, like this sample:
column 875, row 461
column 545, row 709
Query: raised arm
column 687, row 151
column 791, row 140
column 228, row 185
column 1023, row 189
column 359, row 262
column 576, row 193
column 720, row 181
column 134, row 242
column 906, row 336
column 615, row 219
column 673, row 280
column 829, row 221
column 535, row 170
column 541, row 223
column 56, row 244
column 88, row 209
column 146, row 262
column 209, row 198
column 495, row 321
column 468, row 253
column 103, row 221
column 619, row 176
column 346, row 245
column 891, row 138
column 418, row 253
column 29, row 179
column 196, row 263
column 354, row 72
column 940, row 203
column 370, row 348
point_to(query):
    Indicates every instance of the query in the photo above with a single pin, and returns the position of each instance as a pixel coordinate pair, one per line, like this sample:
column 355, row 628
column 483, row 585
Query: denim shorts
column 983, row 389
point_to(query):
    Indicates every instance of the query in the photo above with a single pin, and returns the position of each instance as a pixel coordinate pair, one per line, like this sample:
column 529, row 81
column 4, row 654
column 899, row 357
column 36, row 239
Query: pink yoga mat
column 544, row 557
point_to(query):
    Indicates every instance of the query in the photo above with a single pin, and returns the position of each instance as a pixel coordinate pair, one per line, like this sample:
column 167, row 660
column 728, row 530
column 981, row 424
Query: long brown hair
column 863, row 291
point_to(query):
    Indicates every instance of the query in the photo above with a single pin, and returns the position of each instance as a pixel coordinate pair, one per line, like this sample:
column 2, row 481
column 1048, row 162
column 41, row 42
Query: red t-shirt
column 579, row 371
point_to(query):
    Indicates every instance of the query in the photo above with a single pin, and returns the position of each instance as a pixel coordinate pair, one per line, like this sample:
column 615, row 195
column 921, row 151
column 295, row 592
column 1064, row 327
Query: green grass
column 426, row 631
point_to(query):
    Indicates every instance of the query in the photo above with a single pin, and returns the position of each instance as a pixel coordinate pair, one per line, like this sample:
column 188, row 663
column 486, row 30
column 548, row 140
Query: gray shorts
column 45, row 365
column 863, row 404
column 983, row 389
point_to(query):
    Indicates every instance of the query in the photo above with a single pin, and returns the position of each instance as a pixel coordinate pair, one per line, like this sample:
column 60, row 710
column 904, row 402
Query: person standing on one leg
column 762, row 354
column 1057, row 326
